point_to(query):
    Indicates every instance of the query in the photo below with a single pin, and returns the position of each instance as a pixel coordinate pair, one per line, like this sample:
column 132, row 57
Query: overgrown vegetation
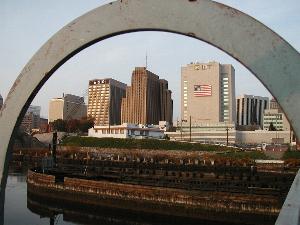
column 139, row 144
column 246, row 155
column 291, row 155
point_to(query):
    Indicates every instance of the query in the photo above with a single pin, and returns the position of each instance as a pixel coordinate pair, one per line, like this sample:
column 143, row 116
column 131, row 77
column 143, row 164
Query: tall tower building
column 208, row 93
column 166, row 102
column 104, row 104
column 147, row 100
column 66, row 108
column 250, row 109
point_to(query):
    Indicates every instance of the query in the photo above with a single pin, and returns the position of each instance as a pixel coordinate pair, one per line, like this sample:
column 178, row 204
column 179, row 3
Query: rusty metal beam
column 270, row 58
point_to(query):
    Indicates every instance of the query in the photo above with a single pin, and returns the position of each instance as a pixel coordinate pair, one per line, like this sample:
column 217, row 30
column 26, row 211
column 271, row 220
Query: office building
column 250, row 110
column 166, row 102
column 208, row 93
column 275, row 116
column 66, row 108
column 104, row 101
column 147, row 100
column 1, row 101
column 31, row 119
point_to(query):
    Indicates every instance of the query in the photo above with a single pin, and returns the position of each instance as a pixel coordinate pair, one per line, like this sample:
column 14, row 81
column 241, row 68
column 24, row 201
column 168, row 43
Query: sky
column 27, row 25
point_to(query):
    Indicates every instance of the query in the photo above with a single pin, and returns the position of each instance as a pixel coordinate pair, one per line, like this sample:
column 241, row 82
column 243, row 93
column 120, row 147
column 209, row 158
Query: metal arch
column 274, row 62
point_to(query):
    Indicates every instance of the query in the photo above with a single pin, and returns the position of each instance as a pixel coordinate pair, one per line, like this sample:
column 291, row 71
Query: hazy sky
column 27, row 24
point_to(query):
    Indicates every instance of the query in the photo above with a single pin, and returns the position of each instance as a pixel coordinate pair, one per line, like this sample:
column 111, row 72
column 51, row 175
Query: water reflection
column 15, row 208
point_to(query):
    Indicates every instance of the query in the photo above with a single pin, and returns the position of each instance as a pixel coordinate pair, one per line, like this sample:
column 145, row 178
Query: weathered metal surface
column 274, row 62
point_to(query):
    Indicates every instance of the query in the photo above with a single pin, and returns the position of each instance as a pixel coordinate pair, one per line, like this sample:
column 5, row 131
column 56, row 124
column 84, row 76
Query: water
column 16, row 211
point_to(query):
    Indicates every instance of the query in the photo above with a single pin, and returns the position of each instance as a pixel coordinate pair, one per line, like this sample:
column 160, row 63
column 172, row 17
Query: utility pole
column 181, row 129
column 290, row 135
column 190, row 128
column 227, row 136
column 54, row 144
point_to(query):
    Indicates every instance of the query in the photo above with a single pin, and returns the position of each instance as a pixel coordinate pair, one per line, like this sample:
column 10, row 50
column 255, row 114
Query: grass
column 139, row 144
column 291, row 155
column 245, row 155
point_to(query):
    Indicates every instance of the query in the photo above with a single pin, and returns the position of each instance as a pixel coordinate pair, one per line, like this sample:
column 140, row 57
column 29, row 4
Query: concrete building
column 216, row 133
column 104, row 101
column 126, row 130
column 147, row 100
column 208, row 93
column 275, row 116
column 250, row 110
column 234, row 136
column 166, row 102
column 66, row 108
column 1, row 101
column 31, row 120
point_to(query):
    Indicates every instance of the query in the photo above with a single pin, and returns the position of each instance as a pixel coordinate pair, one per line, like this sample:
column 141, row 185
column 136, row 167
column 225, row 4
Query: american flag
column 202, row 90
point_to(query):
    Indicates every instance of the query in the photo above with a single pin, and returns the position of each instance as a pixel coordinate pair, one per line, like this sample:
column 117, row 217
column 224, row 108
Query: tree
column 59, row 125
column 73, row 125
column 86, row 123
column 272, row 127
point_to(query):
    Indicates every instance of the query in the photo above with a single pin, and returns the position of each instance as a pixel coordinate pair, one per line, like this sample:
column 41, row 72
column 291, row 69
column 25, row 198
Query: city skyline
column 125, row 51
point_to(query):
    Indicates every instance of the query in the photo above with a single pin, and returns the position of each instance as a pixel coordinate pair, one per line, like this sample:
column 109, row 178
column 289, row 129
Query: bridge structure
column 267, row 55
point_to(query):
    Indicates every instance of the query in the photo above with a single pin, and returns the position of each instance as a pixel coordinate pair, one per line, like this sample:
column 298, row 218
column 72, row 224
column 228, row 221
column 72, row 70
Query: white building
column 234, row 136
column 250, row 109
column 126, row 130
column 205, row 133
column 277, row 118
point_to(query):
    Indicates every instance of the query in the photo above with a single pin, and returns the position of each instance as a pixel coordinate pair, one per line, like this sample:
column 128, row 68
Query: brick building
column 147, row 100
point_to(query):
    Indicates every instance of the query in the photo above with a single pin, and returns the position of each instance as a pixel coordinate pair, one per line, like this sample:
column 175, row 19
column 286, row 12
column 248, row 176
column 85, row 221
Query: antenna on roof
column 146, row 60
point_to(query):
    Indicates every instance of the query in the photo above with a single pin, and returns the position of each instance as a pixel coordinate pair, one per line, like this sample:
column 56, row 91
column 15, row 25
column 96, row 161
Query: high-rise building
column 166, row 102
column 1, row 101
column 275, row 116
column 31, row 120
column 208, row 93
column 250, row 109
column 147, row 100
column 66, row 108
column 104, row 104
